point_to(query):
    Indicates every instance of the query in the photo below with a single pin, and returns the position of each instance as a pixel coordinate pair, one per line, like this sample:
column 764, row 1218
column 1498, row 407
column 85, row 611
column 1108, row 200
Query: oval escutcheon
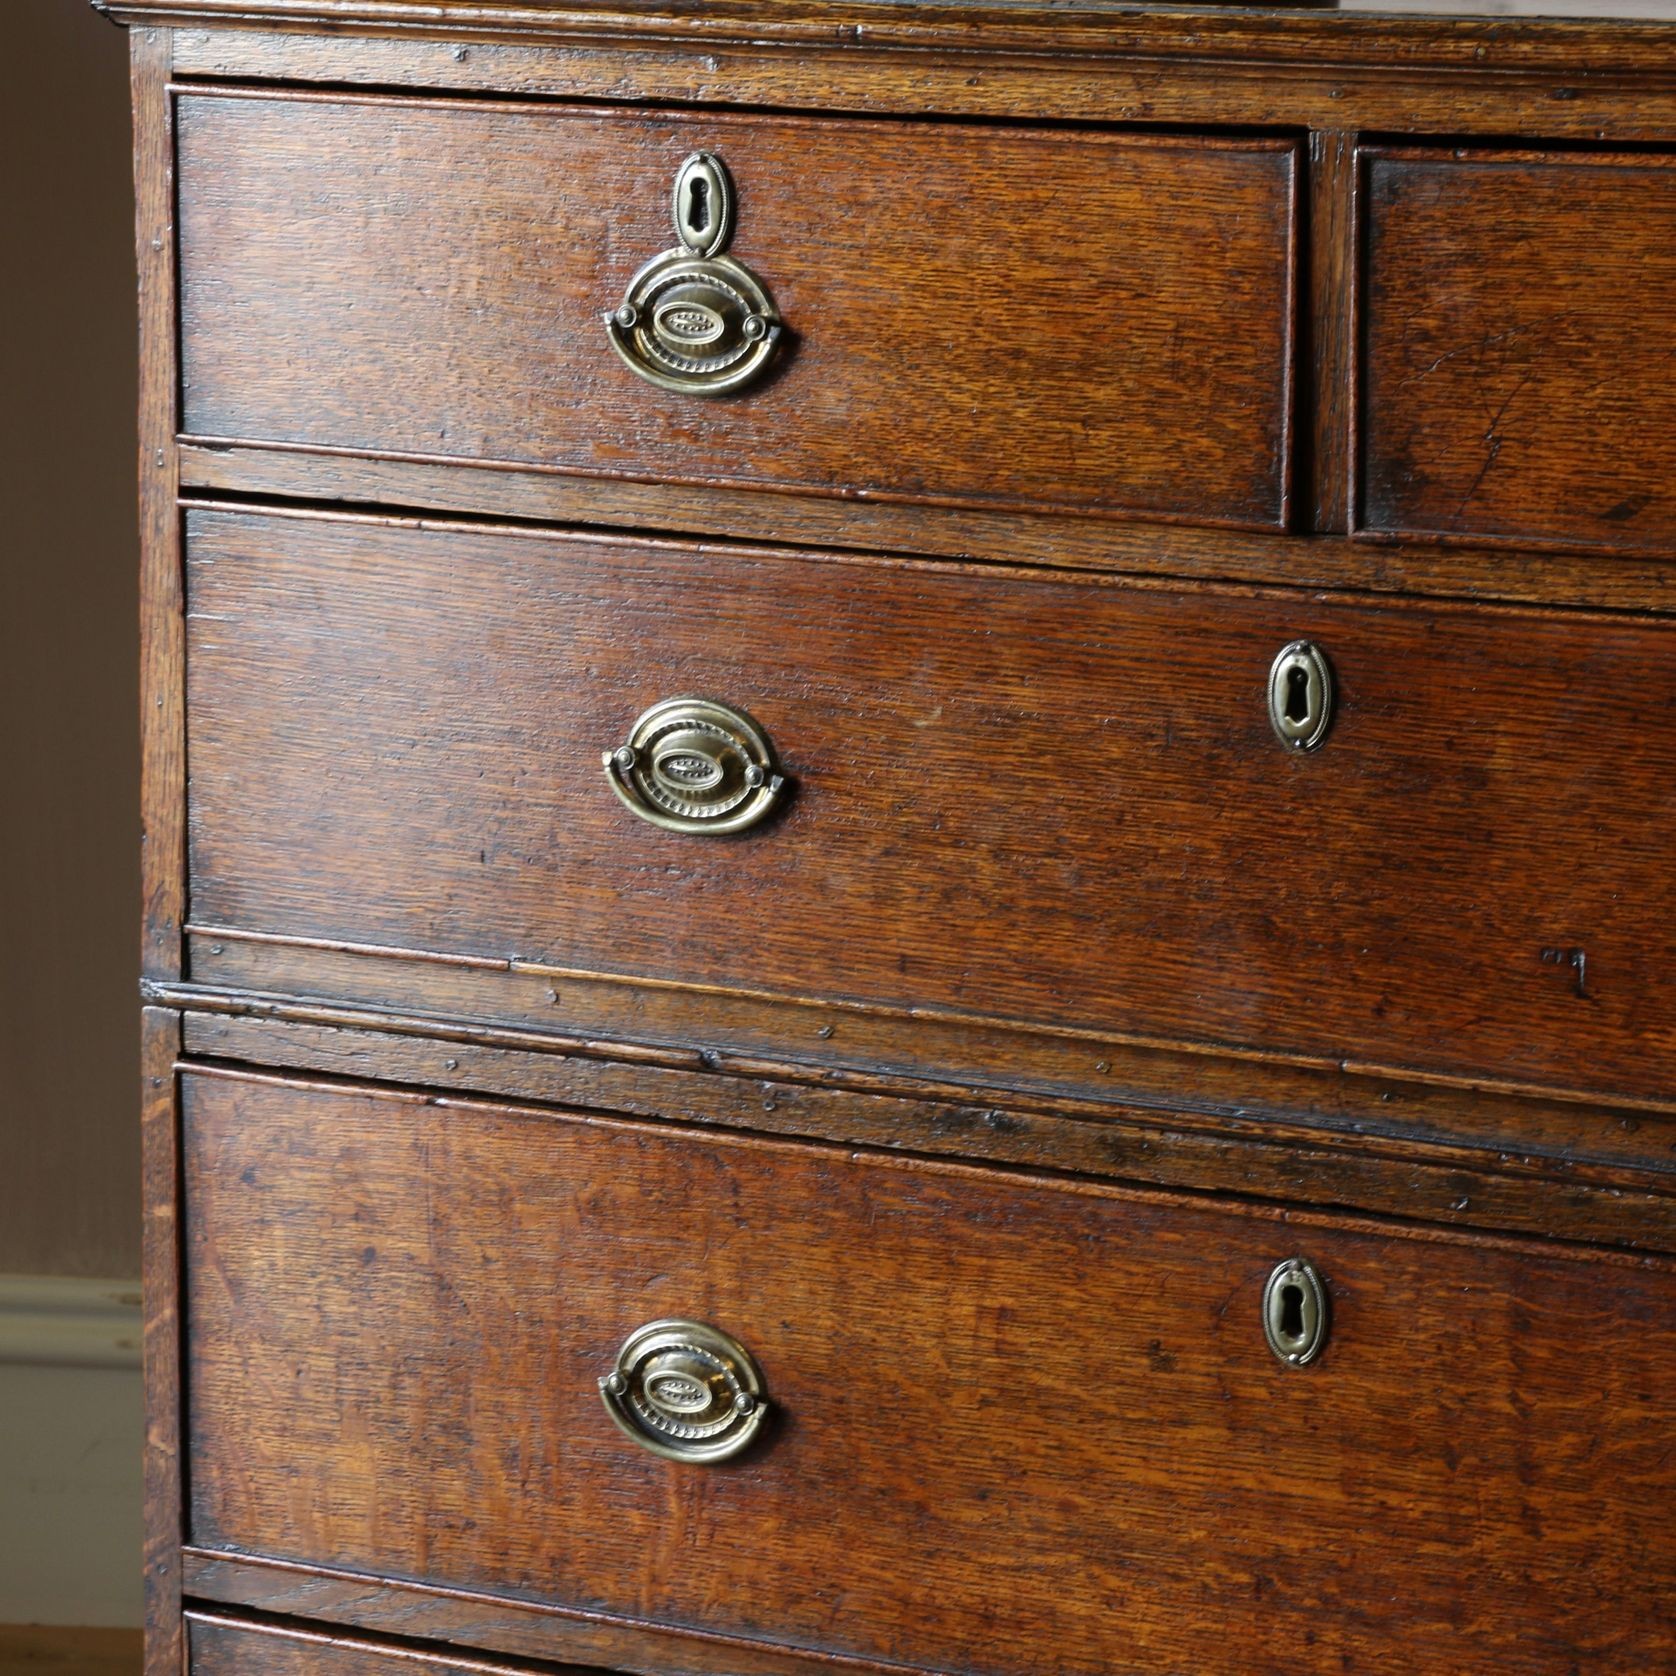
column 1295, row 1312
column 1300, row 695
column 703, row 204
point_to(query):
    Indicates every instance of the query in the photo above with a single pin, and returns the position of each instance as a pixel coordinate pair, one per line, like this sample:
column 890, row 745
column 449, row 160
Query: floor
column 28, row 1651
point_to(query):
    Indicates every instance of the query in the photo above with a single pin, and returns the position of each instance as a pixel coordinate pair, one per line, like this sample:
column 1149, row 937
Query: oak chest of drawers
column 911, row 778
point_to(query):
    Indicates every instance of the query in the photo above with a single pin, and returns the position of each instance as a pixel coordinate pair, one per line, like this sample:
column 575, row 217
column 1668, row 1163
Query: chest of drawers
column 911, row 778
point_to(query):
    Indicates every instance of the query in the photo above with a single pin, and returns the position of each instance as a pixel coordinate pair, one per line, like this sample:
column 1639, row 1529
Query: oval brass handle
column 686, row 1391
column 693, row 765
column 694, row 320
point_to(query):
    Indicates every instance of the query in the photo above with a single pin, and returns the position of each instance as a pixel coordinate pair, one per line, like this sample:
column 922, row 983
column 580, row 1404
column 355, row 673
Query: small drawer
column 1518, row 374
column 1086, row 321
column 998, row 1423
column 1055, row 801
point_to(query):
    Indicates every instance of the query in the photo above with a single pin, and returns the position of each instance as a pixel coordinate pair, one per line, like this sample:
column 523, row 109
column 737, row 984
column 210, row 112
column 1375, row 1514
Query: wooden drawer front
column 1057, row 801
column 1010, row 1414
column 1519, row 347
column 981, row 316
column 222, row 1647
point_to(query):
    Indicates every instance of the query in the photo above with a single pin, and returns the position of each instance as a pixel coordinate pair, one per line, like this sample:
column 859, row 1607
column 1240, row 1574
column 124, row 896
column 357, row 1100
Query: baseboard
column 60, row 1321
column 70, row 1445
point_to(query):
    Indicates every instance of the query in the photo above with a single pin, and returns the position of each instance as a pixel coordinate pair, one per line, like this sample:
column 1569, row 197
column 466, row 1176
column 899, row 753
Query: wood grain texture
column 1543, row 1190
column 162, row 637
column 428, row 278
column 1350, row 1107
column 1615, row 581
column 1048, row 899
column 1293, row 35
column 161, row 1257
column 492, row 1623
column 225, row 1647
column 1057, row 801
column 917, row 1052
column 1332, row 322
column 1477, row 1471
column 1517, row 375
column 1376, row 89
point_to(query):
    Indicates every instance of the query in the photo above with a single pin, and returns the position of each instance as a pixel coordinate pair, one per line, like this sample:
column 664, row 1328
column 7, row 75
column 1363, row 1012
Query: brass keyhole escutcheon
column 1295, row 1312
column 694, row 320
column 686, row 1391
column 1300, row 695
column 695, row 765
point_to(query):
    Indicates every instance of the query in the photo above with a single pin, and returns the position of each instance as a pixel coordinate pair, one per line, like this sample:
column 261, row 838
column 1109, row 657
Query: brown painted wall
column 69, row 909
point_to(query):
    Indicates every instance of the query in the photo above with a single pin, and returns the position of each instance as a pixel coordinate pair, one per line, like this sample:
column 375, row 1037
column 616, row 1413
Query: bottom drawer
column 1013, row 1423
column 222, row 1647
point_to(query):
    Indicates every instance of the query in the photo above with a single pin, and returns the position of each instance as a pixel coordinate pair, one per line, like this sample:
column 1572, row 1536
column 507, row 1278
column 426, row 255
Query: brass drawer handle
column 693, row 765
column 694, row 320
column 1295, row 1312
column 686, row 1392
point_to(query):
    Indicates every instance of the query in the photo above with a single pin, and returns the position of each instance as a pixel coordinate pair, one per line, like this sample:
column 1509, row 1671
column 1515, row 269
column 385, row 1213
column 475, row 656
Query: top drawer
column 973, row 316
column 1518, row 377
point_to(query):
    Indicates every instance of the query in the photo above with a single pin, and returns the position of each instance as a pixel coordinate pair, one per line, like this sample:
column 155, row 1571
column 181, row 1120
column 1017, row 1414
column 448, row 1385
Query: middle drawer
column 1057, row 801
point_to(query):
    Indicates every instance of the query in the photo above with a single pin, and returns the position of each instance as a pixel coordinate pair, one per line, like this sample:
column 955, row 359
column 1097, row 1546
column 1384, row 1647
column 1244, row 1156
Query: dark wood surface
column 1331, row 324
column 37, row 1650
column 1053, row 801
column 162, row 640
column 160, row 1255
column 1290, row 35
column 400, row 1307
column 226, row 1647
column 1003, row 1068
column 162, row 739
column 1609, row 581
column 501, row 1004
column 424, row 278
column 491, row 1624
column 1518, row 374
column 1577, row 1173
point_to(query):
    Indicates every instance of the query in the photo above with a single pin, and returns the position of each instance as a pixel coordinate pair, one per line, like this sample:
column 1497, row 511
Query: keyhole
column 1292, row 1311
column 1297, row 695
column 698, row 205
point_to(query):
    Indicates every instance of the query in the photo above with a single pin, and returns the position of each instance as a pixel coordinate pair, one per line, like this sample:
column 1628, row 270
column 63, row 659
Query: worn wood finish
column 227, row 1647
column 981, row 1091
column 162, row 635
column 161, row 1256
column 1550, row 1192
column 953, row 1057
column 946, row 350
column 1506, row 390
column 1286, row 36
column 1055, row 801
column 1332, row 324
column 1549, row 94
column 1608, row 581
column 1478, row 1469
column 493, row 1624
column 1342, row 1107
